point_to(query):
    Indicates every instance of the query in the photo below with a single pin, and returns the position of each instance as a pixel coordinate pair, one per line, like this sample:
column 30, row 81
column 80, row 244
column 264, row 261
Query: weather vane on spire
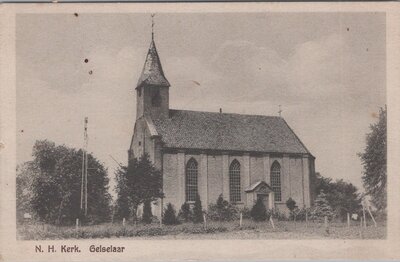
column 280, row 110
column 152, row 26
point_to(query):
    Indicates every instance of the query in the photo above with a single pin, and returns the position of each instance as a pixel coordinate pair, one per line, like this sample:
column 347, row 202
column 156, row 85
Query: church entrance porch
column 260, row 190
column 264, row 199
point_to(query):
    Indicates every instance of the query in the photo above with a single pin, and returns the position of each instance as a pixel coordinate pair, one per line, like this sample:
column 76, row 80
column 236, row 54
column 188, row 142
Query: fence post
column 123, row 221
column 326, row 224
column 361, row 227
column 306, row 219
column 370, row 213
column 272, row 222
column 365, row 221
column 348, row 219
column 77, row 223
column 205, row 221
column 241, row 219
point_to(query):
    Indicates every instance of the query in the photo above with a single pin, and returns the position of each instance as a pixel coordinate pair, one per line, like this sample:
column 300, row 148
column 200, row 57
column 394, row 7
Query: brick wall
column 211, row 177
column 215, row 180
column 256, row 169
column 171, row 181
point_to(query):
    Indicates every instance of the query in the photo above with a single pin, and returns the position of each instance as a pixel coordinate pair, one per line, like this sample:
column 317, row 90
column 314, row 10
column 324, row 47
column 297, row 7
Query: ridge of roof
column 218, row 113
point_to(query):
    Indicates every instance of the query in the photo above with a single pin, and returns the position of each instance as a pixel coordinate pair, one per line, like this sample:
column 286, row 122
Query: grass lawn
column 214, row 230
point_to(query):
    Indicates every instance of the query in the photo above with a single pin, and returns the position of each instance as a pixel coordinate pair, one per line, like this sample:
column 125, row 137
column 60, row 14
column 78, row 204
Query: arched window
column 191, row 180
column 276, row 181
column 234, row 182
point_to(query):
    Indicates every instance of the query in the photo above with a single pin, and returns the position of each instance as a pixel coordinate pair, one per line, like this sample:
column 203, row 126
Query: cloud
column 242, row 74
column 316, row 68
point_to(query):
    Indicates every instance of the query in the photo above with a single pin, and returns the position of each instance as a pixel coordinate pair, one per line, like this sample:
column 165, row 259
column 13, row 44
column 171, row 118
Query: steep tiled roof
column 221, row 131
column 152, row 73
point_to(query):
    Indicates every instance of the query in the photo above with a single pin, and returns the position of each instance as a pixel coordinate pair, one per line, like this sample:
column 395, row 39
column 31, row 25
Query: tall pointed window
column 276, row 181
column 191, row 180
column 234, row 182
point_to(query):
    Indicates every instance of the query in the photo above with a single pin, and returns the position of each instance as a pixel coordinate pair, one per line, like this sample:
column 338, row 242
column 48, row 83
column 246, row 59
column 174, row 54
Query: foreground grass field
column 214, row 230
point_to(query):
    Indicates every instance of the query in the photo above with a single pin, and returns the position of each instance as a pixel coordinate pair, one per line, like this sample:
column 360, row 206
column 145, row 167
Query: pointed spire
column 152, row 73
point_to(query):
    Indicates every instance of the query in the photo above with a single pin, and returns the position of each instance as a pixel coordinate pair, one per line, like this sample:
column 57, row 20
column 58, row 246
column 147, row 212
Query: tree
column 24, row 192
column 122, row 204
column 185, row 213
column 169, row 217
column 321, row 208
column 197, row 210
column 138, row 183
column 147, row 215
column 374, row 162
column 259, row 212
column 55, row 188
column 342, row 196
column 344, row 199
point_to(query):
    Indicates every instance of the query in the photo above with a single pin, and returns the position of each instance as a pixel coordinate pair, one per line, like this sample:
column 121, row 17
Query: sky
column 326, row 70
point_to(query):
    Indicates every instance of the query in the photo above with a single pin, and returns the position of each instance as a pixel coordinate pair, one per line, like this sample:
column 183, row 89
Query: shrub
column 222, row 210
column 379, row 215
column 291, row 204
column 299, row 214
column 259, row 212
column 185, row 214
column 245, row 212
column 169, row 217
column 321, row 208
column 147, row 215
column 197, row 210
column 276, row 214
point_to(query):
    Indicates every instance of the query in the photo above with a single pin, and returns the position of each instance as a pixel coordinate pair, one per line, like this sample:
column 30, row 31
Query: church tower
column 152, row 90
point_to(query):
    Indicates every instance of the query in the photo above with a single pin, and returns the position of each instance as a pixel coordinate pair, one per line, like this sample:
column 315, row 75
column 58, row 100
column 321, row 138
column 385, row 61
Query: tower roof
column 152, row 73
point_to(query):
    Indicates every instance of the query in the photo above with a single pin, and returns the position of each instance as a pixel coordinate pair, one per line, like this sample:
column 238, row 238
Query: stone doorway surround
column 260, row 189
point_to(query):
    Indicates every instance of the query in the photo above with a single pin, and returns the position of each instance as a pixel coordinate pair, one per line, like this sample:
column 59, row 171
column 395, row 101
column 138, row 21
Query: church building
column 243, row 157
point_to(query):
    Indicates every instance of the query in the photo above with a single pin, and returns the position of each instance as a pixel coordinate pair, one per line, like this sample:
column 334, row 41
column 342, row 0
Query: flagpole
column 86, row 167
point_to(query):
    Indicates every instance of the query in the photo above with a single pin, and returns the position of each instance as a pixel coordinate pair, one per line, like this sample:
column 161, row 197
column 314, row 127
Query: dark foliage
column 291, row 204
column 343, row 197
column 147, row 215
column 137, row 183
column 322, row 208
column 53, row 190
column 185, row 214
column 169, row 217
column 259, row 212
column 222, row 210
column 374, row 162
column 300, row 214
column 122, row 204
column 197, row 210
column 276, row 214
column 245, row 212
column 25, row 177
